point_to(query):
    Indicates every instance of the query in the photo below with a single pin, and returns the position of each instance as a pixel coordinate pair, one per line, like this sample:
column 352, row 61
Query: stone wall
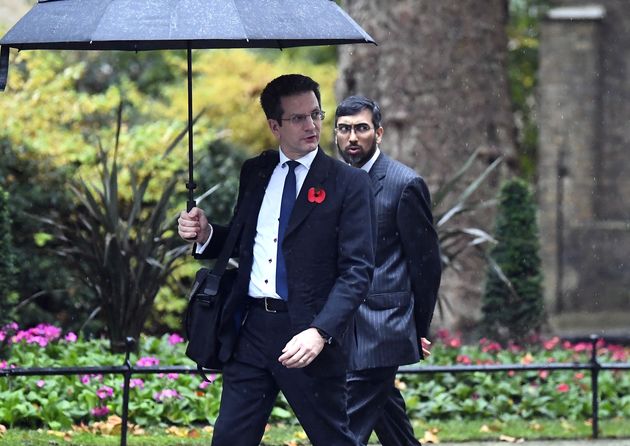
column 584, row 139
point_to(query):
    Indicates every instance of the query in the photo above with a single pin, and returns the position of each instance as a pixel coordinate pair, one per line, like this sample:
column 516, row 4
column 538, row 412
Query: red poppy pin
column 316, row 195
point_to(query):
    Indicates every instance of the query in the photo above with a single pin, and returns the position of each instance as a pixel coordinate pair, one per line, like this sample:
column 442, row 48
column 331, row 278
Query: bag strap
column 228, row 246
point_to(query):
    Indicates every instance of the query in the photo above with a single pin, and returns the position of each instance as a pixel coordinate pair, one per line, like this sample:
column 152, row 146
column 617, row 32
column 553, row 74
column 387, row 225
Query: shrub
column 8, row 296
column 513, row 305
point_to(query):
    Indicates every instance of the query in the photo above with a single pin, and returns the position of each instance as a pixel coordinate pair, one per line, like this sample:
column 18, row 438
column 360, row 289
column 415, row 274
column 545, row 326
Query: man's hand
column 426, row 347
column 193, row 226
column 302, row 349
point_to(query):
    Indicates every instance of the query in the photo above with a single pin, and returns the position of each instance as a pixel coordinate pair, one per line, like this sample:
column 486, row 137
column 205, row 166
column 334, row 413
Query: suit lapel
column 255, row 191
column 378, row 172
column 315, row 178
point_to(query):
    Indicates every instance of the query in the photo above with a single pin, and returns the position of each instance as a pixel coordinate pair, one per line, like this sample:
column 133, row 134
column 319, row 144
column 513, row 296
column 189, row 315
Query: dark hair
column 355, row 104
column 285, row 85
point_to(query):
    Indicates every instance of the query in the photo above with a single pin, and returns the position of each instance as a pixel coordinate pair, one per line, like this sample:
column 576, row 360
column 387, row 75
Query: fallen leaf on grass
column 567, row 426
column 536, row 426
column 509, row 439
column 3, row 430
column 182, row 432
column 208, row 429
column 430, row 436
column 65, row 435
column 487, row 429
column 400, row 385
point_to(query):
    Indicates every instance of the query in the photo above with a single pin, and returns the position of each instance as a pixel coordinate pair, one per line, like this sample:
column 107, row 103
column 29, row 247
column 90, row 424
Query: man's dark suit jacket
column 328, row 248
column 400, row 304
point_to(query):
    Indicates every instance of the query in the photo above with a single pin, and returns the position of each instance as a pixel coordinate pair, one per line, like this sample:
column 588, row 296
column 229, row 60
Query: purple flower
column 100, row 411
column 165, row 395
column 71, row 337
column 135, row 382
column 147, row 361
column 105, row 392
column 41, row 383
column 175, row 339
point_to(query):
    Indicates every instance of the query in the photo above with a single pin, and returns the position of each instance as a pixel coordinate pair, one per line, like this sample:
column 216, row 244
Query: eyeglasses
column 300, row 120
column 359, row 129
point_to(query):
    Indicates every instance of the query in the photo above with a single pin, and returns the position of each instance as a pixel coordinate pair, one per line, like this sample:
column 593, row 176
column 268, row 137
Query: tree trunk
column 439, row 73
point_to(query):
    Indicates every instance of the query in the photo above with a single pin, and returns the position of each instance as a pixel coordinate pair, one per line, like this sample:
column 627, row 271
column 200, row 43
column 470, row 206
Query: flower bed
column 181, row 399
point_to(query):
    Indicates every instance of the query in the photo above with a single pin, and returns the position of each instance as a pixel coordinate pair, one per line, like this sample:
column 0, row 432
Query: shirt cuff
column 201, row 248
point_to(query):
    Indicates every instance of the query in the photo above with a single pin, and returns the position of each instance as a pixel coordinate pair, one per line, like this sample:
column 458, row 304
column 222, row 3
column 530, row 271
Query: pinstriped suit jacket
column 399, row 307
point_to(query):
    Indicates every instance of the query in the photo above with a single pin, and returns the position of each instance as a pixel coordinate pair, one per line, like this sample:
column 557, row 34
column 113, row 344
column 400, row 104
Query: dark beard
column 359, row 159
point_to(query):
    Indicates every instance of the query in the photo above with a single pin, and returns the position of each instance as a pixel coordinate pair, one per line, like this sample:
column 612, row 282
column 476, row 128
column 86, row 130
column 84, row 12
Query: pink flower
column 3, row 336
column 443, row 334
column 41, row 383
column 105, row 392
column 3, row 364
column 205, row 384
column 579, row 375
column 562, row 388
column 464, row 359
column 455, row 343
column 147, row 361
column 172, row 376
column 550, row 344
column 136, row 382
column 85, row 379
column 543, row 374
column 100, row 411
column 71, row 337
column 491, row 347
column 175, row 339
column 511, row 373
column 165, row 395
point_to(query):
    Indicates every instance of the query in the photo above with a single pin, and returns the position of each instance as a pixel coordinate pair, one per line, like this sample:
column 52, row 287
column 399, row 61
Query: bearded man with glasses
column 304, row 269
column 392, row 326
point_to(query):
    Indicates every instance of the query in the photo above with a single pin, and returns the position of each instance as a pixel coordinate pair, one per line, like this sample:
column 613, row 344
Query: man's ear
column 273, row 126
column 379, row 135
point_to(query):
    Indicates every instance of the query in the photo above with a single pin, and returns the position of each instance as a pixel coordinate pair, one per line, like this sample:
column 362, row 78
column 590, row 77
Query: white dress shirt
column 367, row 166
column 262, row 281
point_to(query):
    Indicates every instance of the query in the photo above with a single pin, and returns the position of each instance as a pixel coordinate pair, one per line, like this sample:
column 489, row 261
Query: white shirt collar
column 305, row 161
column 367, row 166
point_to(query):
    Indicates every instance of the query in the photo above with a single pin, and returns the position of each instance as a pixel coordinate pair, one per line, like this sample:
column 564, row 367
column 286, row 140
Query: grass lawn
column 281, row 435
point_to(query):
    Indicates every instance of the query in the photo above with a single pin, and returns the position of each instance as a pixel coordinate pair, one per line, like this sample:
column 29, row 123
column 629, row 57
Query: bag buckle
column 267, row 309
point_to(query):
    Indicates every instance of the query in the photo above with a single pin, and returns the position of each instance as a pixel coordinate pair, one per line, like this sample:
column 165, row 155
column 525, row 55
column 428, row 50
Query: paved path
column 606, row 442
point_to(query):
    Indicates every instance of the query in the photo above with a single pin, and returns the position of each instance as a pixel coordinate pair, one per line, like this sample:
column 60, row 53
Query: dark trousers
column 375, row 404
column 253, row 378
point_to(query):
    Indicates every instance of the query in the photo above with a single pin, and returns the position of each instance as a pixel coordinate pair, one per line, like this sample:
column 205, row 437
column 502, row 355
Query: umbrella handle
column 191, row 183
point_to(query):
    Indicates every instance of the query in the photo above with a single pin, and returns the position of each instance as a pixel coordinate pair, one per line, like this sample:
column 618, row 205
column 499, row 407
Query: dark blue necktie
column 288, row 200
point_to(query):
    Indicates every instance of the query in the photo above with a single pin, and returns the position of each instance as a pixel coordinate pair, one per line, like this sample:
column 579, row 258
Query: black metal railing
column 127, row 370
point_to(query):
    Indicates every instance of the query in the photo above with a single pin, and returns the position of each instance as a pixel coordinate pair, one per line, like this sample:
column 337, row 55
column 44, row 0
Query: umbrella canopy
column 178, row 24
column 138, row 25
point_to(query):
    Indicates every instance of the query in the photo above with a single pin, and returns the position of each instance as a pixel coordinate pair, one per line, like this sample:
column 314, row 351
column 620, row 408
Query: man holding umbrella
column 306, row 257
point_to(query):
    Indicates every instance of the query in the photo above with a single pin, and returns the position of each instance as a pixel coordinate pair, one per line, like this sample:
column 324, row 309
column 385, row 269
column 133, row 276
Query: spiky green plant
column 456, row 238
column 124, row 251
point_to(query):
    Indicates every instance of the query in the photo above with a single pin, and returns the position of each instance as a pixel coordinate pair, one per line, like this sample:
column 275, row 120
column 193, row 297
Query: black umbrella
column 138, row 25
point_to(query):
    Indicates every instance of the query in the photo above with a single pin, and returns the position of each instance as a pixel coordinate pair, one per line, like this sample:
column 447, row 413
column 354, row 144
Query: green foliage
column 524, row 35
column 123, row 250
column 513, row 306
column 46, row 289
column 8, row 296
column 157, row 400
